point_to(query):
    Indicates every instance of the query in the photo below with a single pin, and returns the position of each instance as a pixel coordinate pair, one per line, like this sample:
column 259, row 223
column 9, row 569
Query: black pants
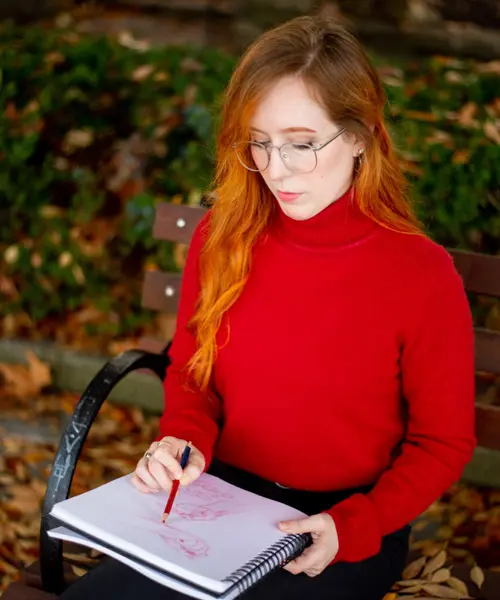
column 369, row 579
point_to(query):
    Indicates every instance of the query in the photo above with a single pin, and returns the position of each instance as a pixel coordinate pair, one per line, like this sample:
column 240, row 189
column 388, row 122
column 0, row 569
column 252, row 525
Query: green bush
column 94, row 133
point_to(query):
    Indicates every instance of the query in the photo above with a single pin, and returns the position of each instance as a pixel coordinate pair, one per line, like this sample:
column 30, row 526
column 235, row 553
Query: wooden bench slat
column 480, row 272
column 176, row 222
column 488, row 426
column 161, row 291
column 487, row 349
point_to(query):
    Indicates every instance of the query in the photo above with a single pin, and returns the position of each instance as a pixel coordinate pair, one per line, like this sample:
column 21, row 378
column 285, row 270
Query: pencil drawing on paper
column 201, row 501
column 190, row 545
column 184, row 542
column 203, row 512
column 205, row 491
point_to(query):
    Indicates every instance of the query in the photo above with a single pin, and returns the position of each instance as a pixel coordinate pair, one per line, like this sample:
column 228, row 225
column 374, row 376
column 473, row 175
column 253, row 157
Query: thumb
column 306, row 525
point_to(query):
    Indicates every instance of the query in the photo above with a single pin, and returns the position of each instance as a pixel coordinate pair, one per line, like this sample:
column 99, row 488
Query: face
column 289, row 114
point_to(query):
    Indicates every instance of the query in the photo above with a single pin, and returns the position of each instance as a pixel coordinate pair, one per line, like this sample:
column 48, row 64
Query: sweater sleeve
column 190, row 415
column 437, row 380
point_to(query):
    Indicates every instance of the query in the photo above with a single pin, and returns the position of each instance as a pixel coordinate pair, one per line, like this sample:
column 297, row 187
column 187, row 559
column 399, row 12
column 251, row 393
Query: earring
column 359, row 159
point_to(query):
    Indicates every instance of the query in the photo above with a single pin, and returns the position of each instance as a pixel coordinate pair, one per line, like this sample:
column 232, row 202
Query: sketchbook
column 218, row 540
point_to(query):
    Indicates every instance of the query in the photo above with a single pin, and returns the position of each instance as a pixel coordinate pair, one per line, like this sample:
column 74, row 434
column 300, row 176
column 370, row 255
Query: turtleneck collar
column 341, row 223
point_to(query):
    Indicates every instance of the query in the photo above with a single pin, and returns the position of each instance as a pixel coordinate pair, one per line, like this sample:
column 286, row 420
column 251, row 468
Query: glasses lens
column 252, row 156
column 299, row 158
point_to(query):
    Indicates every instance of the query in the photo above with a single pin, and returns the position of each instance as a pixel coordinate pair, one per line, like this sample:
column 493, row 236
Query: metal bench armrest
column 70, row 447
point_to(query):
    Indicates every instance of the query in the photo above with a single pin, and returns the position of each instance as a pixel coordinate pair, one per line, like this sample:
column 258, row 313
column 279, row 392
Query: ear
column 358, row 149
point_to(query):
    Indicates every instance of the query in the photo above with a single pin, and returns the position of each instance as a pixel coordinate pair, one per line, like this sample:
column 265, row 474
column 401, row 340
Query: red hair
column 340, row 77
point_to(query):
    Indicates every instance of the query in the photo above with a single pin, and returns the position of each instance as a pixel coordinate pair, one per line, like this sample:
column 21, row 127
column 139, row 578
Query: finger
column 308, row 561
column 315, row 523
column 161, row 474
column 194, row 468
column 140, row 485
column 143, row 474
column 166, row 454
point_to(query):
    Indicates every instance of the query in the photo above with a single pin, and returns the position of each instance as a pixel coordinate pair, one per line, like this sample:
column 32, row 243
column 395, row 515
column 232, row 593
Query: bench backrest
column 480, row 274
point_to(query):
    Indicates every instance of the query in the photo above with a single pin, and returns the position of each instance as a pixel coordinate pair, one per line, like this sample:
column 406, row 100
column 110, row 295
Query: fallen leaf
column 435, row 563
column 79, row 571
column 142, row 72
column 491, row 131
column 477, row 576
column 441, row 591
column 458, row 585
column 466, row 114
column 441, row 575
column 39, row 371
column 414, row 568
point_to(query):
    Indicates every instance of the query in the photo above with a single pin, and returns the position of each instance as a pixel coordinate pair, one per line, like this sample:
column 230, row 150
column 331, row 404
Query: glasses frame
column 270, row 147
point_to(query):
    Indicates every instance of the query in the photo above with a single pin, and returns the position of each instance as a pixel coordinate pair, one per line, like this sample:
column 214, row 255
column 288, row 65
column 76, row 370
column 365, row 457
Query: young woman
column 324, row 347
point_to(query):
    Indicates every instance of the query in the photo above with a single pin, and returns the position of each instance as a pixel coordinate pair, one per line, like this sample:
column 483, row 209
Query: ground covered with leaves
column 463, row 526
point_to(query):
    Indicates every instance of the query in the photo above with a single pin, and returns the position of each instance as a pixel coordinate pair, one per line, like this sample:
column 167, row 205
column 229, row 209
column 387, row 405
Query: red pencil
column 175, row 485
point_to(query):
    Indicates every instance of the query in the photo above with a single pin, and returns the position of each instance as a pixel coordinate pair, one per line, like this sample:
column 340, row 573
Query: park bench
column 48, row 576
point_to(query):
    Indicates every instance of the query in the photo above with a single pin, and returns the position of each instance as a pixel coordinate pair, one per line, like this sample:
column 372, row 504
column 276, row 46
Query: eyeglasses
column 298, row 158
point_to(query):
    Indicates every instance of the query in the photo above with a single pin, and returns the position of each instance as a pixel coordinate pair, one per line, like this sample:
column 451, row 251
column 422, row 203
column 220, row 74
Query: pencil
column 175, row 486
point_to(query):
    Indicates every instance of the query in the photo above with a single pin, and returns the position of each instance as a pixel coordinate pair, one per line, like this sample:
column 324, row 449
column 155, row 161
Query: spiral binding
column 276, row 555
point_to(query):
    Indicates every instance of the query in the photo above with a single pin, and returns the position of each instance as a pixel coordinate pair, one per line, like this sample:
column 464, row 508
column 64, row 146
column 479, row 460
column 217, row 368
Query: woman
column 324, row 349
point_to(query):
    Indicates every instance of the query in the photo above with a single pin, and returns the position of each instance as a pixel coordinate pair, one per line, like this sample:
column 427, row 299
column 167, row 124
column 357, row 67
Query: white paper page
column 213, row 530
column 62, row 533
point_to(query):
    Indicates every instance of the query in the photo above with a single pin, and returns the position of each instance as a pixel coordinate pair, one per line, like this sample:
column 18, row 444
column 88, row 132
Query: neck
column 341, row 223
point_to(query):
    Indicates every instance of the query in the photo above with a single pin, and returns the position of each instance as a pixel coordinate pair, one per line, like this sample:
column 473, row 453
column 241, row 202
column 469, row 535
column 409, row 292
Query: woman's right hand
column 158, row 472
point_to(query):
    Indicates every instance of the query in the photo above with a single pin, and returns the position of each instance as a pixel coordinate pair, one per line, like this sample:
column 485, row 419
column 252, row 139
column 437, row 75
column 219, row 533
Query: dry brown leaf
column 80, row 558
column 459, row 585
column 414, row 568
column 142, row 72
column 79, row 571
column 441, row 575
column 491, row 131
column 466, row 114
column 441, row 591
column 25, row 381
column 23, row 500
column 477, row 576
column 7, row 567
column 435, row 563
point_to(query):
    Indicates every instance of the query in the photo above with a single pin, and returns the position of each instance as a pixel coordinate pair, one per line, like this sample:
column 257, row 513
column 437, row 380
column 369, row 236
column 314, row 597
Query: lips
column 287, row 196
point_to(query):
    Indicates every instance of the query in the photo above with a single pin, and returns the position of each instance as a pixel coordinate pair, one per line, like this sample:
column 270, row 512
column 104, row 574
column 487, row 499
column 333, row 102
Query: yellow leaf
column 435, row 563
column 441, row 575
column 413, row 569
column 441, row 591
column 459, row 585
column 11, row 254
column 79, row 571
column 477, row 576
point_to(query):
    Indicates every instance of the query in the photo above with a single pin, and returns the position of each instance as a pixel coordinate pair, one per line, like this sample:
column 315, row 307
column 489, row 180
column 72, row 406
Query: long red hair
column 340, row 77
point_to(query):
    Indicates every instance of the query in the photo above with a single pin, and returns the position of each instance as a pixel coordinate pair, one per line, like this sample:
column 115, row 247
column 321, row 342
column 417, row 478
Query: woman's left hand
column 324, row 548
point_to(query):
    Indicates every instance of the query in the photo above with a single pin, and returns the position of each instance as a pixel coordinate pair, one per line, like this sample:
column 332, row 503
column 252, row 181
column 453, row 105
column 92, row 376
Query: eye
column 302, row 147
column 263, row 143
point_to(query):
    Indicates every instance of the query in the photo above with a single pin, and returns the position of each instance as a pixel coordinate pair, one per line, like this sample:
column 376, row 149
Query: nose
column 276, row 168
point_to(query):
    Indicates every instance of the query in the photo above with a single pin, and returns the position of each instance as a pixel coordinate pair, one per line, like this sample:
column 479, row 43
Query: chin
column 297, row 212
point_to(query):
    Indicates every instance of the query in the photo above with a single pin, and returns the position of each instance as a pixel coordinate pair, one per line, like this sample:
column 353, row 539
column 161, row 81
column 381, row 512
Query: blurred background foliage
column 94, row 132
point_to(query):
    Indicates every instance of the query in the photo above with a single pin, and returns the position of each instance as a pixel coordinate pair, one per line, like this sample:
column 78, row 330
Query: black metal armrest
column 70, row 447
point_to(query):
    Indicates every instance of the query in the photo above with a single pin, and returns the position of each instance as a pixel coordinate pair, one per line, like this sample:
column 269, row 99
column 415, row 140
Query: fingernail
column 284, row 525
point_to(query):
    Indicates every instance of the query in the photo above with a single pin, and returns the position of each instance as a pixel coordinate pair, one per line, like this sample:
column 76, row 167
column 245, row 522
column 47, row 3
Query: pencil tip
column 165, row 515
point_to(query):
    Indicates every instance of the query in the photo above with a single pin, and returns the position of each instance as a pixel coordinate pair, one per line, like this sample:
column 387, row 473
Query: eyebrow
column 287, row 130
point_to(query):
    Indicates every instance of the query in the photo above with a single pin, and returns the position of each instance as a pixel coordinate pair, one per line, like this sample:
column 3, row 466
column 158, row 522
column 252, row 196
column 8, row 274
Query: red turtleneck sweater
column 350, row 343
